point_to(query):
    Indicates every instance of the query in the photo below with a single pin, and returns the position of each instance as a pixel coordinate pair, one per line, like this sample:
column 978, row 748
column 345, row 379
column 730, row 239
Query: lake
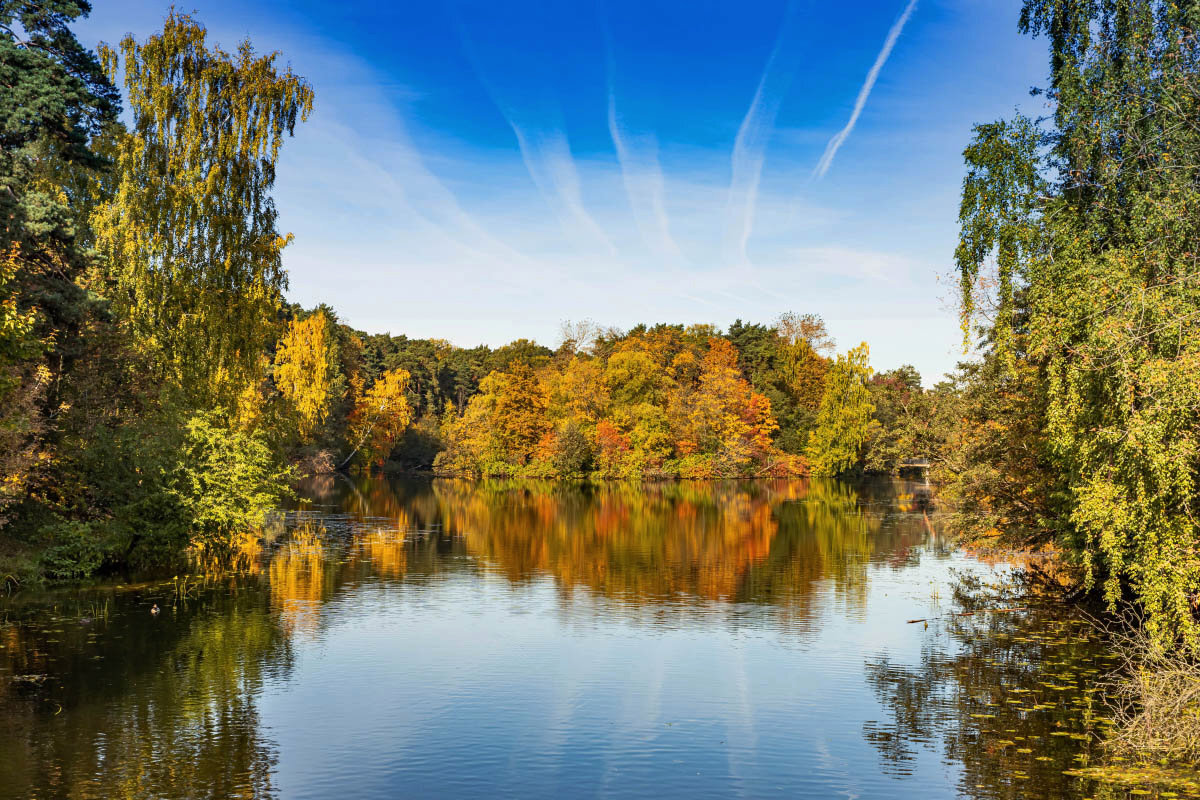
column 429, row 638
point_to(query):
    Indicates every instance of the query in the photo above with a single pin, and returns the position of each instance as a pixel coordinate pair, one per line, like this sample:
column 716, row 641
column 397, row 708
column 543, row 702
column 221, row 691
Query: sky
column 484, row 171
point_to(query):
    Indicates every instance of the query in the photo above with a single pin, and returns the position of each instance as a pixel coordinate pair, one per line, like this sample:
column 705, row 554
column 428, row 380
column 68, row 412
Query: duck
column 154, row 610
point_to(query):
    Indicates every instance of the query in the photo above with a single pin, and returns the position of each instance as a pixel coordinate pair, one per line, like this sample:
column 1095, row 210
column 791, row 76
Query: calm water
column 450, row 639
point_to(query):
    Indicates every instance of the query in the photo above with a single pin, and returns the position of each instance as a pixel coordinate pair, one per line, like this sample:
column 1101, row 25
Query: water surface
column 456, row 639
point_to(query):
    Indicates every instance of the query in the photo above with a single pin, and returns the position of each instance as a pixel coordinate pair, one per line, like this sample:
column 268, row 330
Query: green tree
column 55, row 100
column 226, row 482
column 844, row 418
column 1092, row 229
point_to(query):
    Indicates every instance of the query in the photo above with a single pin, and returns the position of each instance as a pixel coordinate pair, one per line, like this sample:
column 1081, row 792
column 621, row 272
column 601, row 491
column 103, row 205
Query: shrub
column 573, row 455
column 77, row 550
column 226, row 481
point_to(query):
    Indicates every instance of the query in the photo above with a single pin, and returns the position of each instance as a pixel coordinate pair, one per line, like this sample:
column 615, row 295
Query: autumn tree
column 190, row 234
column 304, row 372
column 23, row 381
column 579, row 392
column 725, row 417
column 809, row 329
column 380, row 416
column 903, row 416
column 638, row 387
column 55, row 101
column 785, row 363
column 845, row 415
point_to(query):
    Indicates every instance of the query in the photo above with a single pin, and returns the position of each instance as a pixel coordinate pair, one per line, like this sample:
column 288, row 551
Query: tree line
column 663, row 401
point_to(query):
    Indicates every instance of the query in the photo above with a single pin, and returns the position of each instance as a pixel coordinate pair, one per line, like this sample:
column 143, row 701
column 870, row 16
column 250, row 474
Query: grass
column 19, row 564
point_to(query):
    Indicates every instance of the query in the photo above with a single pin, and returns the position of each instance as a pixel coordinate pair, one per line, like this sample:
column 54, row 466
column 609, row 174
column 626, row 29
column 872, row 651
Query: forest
column 668, row 401
column 158, row 391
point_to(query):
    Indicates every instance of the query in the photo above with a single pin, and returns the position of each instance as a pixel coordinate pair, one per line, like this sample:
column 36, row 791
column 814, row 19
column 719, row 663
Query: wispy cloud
column 750, row 145
column 644, row 183
column 641, row 172
column 547, row 157
column 545, row 151
column 836, row 142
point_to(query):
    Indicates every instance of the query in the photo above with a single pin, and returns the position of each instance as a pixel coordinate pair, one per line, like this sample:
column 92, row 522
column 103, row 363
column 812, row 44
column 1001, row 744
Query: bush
column 226, row 481
column 573, row 454
column 77, row 550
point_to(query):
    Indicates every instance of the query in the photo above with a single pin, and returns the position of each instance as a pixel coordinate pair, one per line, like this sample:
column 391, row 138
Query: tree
column 226, row 481
column 809, row 329
column 579, row 392
column 304, row 371
column 518, row 411
column 55, row 101
column 900, row 415
column 844, row 418
column 727, row 418
column 573, row 456
column 190, row 236
column 380, row 417
column 1092, row 227
column 23, row 382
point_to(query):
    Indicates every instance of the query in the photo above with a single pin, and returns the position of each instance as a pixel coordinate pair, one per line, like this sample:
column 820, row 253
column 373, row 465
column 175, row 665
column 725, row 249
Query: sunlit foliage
column 23, row 380
column 380, row 416
column 189, row 234
column 654, row 403
column 304, row 372
column 1079, row 260
column 226, row 482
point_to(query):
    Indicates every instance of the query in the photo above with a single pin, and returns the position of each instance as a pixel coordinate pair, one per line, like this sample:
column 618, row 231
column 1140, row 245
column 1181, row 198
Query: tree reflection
column 137, row 706
column 129, row 704
column 779, row 543
column 1009, row 698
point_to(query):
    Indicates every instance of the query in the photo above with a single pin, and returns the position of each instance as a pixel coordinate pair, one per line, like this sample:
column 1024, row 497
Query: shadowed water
column 454, row 639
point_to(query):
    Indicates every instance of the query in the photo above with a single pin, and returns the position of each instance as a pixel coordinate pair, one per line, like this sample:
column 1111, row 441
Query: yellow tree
column 23, row 380
column 380, row 417
column 501, row 428
column 639, row 387
column 189, row 235
column 304, row 372
column 578, row 393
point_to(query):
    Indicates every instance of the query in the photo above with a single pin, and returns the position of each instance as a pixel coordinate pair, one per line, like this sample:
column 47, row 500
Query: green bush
column 77, row 550
column 573, row 453
column 225, row 481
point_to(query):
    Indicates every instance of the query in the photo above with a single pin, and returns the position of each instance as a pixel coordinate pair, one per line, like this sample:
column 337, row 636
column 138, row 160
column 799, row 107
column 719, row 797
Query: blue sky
column 482, row 171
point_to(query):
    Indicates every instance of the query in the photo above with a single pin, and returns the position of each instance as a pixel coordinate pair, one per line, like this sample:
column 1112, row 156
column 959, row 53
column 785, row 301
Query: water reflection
column 107, row 703
column 785, row 544
column 681, row 639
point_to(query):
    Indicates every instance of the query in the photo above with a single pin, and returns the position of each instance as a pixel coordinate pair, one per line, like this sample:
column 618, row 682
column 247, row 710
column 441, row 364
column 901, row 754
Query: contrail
column 749, row 147
column 644, row 184
column 546, row 154
column 551, row 165
column 640, row 169
column 836, row 142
